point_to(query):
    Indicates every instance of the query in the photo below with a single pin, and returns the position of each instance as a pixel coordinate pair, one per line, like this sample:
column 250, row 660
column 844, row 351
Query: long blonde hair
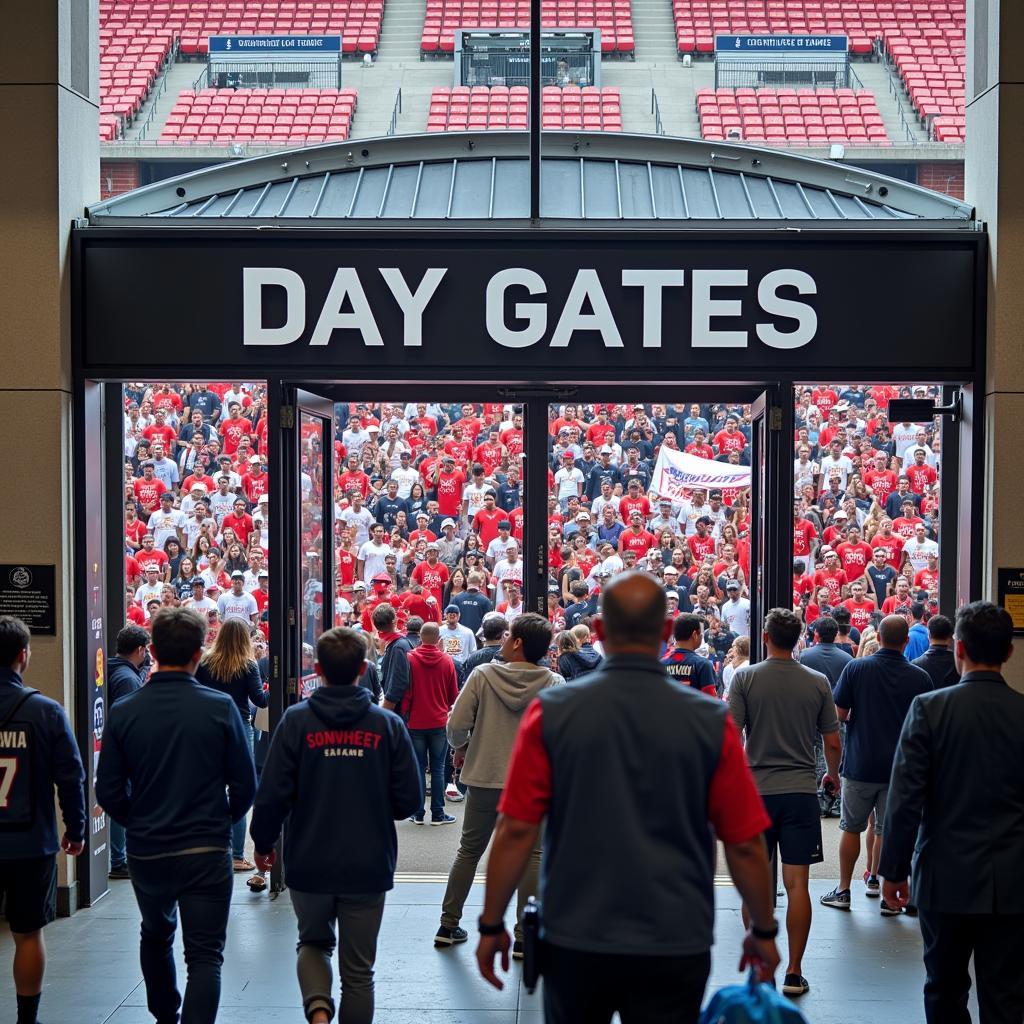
column 231, row 653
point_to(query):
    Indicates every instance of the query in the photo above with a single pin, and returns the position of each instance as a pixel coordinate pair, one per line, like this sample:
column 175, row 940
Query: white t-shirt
column 164, row 525
column 203, row 605
column 474, row 495
column 147, row 593
column 361, row 521
column 918, row 553
column 373, row 555
column 237, row 606
column 406, row 478
column 567, row 482
column 736, row 615
column 830, row 467
column 929, row 456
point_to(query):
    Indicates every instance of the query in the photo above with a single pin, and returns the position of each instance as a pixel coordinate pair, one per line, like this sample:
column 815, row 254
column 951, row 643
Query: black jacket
column 940, row 664
column 394, row 669
column 122, row 678
column 341, row 771
column 176, row 767
column 244, row 688
column 38, row 739
column 956, row 799
column 578, row 663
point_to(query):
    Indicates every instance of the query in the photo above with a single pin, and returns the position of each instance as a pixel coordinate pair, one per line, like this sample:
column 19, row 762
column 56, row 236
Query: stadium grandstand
column 651, row 68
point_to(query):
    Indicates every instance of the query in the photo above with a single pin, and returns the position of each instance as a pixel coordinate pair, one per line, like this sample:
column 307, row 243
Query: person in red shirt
column 512, row 437
column 149, row 555
column 448, row 484
column 893, row 544
column 421, row 532
column 805, row 535
column 159, row 430
column 419, row 603
column 486, row 522
column 167, row 400
column 860, row 606
column 919, row 473
column 901, row 602
column 431, row 574
column 256, row 481
column 905, row 525
column 238, row 520
column 824, row 398
column 516, row 518
column 148, row 489
column 488, row 453
column 836, row 530
column 831, row 576
column 354, row 479
column 730, row 439
column 928, row 578
column 881, row 479
column 347, row 555
column 802, row 582
column 134, row 527
column 634, row 501
column 459, row 446
column 636, row 538
column 233, row 429
column 701, row 543
column 261, row 595
column 854, row 554
column 699, row 446
column 601, row 431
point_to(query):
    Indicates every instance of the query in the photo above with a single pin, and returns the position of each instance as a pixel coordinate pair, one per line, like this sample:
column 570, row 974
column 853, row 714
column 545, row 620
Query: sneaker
column 257, row 882
column 517, row 950
column 445, row 819
column 910, row 910
column 795, row 985
column 888, row 910
column 874, row 887
column 838, row 898
column 121, row 871
column 416, row 819
column 450, row 936
column 453, row 795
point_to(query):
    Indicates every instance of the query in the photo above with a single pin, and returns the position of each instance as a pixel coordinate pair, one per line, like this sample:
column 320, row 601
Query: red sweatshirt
column 433, row 687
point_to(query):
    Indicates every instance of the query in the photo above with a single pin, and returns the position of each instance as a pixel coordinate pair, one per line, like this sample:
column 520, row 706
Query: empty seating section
column 272, row 116
column 788, row 117
column 932, row 69
column 500, row 107
column 613, row 17
column 131, row 57
column 194, row 21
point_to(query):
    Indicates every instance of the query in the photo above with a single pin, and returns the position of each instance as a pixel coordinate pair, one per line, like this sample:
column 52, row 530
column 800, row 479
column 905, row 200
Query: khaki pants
column 479, row 818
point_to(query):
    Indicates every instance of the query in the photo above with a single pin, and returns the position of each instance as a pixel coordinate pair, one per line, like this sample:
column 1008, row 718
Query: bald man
column 667, row 762
column 872, row 697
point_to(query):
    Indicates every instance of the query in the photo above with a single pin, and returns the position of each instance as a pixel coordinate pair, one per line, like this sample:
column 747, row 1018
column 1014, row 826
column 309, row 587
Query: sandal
column 257, row 882
column 241, row 864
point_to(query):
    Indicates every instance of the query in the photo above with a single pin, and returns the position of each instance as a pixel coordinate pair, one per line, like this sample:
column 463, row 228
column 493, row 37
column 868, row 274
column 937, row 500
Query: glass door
column 758, row 533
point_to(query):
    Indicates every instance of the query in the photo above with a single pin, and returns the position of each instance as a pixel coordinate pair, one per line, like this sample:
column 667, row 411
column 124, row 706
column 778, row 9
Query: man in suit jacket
column 958, row 778
column 938, row 660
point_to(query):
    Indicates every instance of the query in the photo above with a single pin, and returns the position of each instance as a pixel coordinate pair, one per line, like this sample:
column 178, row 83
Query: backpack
column 750, row 1003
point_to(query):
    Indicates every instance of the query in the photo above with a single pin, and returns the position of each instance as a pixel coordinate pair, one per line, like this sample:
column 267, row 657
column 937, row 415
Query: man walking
column 872, row 697
column 124, row 676
column 394, row 652
column 670, row 763
column 176, row 770
column 433, row 687
column 339, row 858
column 956, row 805
column 493, row 632
column 784, row 707
column 482, row 728
column 38, row 753
column 917, row 639
column 938, row 660
column 683, row 664
column 825, row 656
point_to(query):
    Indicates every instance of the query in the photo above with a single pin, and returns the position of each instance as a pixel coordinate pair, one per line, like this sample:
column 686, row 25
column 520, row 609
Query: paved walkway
column 863, row 969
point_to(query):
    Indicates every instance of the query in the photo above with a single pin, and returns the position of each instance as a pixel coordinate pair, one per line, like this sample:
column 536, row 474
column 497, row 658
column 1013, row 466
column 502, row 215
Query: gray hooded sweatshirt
column 487, row 713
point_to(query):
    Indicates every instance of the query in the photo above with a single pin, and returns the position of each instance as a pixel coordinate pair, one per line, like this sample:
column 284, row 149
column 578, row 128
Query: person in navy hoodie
column 39, row 752
column 176, row 770
column 342, row 771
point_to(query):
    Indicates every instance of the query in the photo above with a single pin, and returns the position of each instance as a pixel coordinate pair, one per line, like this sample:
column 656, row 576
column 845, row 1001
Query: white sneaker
column 452, row 793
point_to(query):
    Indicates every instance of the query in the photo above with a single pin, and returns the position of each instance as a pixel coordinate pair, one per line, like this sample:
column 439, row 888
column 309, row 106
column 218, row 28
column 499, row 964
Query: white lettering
column 534, row 313
column 587, row 286
column 705, row 307
column 254, row 280
column 413, row 304
column 772, row 303
column 652, row 282
column 346, row 285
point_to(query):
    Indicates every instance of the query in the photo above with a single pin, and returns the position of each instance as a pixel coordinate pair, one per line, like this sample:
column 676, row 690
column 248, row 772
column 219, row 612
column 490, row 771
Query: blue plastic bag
column 750, row 1003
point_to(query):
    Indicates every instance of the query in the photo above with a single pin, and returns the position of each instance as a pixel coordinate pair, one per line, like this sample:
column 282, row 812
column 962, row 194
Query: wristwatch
column 490, row 929
column 765, row 933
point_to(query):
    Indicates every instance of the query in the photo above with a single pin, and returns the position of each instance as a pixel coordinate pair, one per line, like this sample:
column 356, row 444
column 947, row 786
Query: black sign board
column 451, row 306
column 1011, row 596
column 30, row 593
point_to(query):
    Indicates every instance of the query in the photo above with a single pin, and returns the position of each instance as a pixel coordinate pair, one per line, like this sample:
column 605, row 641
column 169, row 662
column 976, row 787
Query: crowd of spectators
column 429, row 511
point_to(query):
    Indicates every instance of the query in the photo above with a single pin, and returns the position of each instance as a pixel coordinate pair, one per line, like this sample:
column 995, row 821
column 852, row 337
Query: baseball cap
column 452, row 608
column 344, row 606
column 732, row 585
column 668, row 502
column 167, row 496
column 254, row 458
column 422, row 515
column 582, row 517
column 359, row 585
column 238, row 575
column 447, row 522
column 504, row 525
column 553, row 589
column 447, row 458
column 671, row 593
column 263, row 573
column 372, row 428
column 198, row 485
column 263, row 499
column 198, row 582
column 840, row 514
column 433, row 545
column 381, row 577
column 213, row 586
column 607, row 450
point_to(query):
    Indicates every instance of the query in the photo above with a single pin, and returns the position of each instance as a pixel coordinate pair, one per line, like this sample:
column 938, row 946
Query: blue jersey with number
column 37, row 752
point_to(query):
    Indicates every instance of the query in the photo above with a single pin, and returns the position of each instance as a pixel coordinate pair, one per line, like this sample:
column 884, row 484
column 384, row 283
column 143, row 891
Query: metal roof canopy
column 632, row 180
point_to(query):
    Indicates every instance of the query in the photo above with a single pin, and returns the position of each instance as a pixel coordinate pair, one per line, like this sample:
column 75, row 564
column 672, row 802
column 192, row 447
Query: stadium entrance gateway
column 663, row 271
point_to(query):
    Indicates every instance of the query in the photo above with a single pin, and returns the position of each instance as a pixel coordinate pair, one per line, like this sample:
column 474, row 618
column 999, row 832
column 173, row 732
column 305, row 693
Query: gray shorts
column 859, row 799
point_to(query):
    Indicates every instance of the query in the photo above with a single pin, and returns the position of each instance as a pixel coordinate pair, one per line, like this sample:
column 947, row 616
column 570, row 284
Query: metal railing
column 659, row 127
column 159, row 88
column 896, row 92
column 396, row 110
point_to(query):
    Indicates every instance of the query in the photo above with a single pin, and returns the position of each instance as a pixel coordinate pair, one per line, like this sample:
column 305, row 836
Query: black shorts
column 29, row 888
column 795, row 827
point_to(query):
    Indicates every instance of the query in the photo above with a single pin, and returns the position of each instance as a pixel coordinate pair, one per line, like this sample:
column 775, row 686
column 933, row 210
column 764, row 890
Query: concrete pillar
column 49, row 118
column 995, row 112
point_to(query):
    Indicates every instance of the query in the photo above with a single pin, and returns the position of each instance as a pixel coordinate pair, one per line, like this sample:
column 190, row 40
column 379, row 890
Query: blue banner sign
column 275, row 44
column 779, row 44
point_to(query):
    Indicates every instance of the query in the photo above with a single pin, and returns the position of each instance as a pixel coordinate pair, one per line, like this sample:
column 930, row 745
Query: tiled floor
column 863, row 969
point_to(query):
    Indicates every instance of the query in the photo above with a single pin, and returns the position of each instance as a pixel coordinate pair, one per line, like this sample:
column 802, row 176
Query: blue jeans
column 118, row 855
column 435, row 743
column 201, row 885
column 238, row 828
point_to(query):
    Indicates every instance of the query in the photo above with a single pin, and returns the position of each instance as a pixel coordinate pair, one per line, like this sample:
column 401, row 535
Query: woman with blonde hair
column 230, row 666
